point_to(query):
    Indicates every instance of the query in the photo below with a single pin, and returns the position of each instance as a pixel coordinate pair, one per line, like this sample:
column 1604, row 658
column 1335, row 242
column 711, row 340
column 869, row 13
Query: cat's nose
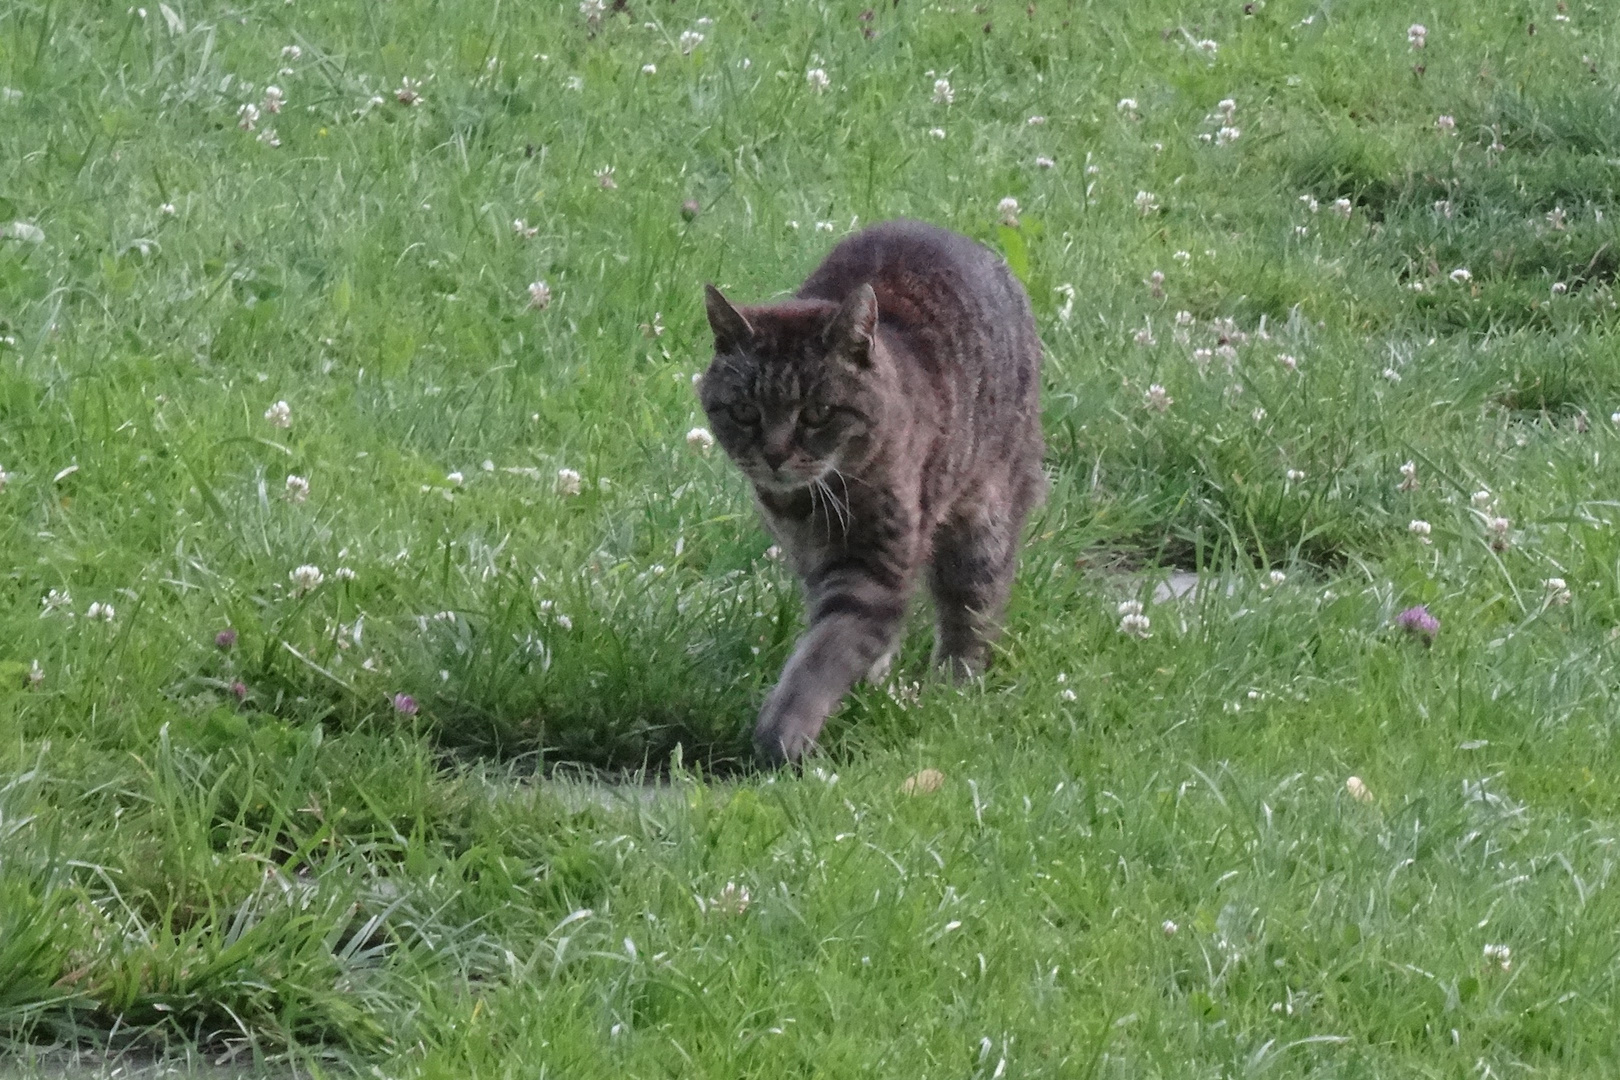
column 774, row 458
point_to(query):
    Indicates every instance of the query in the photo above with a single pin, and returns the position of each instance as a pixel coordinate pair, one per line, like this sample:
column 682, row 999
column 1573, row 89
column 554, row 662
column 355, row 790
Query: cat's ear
column 731, row 330
column 853, row 329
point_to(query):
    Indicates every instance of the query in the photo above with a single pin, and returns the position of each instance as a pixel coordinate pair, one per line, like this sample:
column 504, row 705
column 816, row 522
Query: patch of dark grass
column 1339, row 159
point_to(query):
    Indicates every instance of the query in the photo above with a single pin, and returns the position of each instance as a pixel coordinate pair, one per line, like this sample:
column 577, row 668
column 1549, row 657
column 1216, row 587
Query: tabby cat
column 888, row 417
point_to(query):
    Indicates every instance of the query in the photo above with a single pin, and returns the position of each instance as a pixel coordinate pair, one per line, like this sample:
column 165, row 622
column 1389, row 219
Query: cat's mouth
column 788, row 477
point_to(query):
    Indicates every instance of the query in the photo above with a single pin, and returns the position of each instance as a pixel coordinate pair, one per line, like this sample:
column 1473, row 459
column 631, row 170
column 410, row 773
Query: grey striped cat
column 888, row 417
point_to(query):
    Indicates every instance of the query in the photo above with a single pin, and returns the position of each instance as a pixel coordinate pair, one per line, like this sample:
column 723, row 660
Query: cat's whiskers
column 836, row 506
column 843, row 481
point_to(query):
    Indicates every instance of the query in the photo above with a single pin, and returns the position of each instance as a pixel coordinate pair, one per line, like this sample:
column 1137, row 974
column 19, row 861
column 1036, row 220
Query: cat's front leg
column 855, row 620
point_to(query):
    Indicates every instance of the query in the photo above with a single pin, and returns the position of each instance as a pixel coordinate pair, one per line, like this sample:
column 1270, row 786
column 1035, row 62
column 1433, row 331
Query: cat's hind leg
column 975, row 554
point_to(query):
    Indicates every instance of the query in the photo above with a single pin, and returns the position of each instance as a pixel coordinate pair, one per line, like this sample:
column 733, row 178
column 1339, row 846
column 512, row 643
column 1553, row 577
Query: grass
column 1143, row 859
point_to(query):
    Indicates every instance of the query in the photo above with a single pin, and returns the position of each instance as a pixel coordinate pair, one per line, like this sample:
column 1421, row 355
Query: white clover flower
column 1159, row 399
column 274, row 99
column 1067, row 694
column 99, row 612
column 1614, row 418
column 523, row 229
column 1343, row 207
column 1481, row 499
column 1444, row 208
column 1288, row 361
column 733, row 900
column 1007, row 208
column 1258, row 416
column 297, row 488
column 593, row 10
column 344, row 573
column 1500, row 955
column 943, row 94
column 167, row 209
column 1146, row 202
column 1358, row 789
column 1310, row 203
column 825, row 226
column 604, row 178
column 1145, row 336
column 1445, row 124
column 649, row 69
column 1132, row 622
column 700, row 439
column 1207, row 46
column 1557, row 591
column 291, row 52
column 1276, row 577
column 817, row 80
column 269, row 137
column 306, row 577
column 1137, row 626
column 938, row 133
column 1500, row 529
column 1420, row 529
column 409, row 92
column 1294, row 476
column 1392, row 375
column 247, row 117
column 279, row 415
column 1168, row 928
column 574, row 83
column 690, row 39
column 539, row 295
column 1409, row 480
column 56, row 599
column 1127, row 105
column 36, row 676
column 1044, row 162
column 1035, row 121
column 455, row 478
column 568, row 482
column 1228, row 355
column 1417, row 35
column 1184, row 318
column 1555, row 218
column 1461, row 275
column 5, row 478
column 1559, row 288
column 1227, row 135
column 1183, row 257
column 1227, row 107
column 1201, row 357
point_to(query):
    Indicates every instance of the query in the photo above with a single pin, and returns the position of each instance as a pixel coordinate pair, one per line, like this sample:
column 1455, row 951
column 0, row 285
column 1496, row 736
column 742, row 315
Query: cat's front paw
column 783, row 738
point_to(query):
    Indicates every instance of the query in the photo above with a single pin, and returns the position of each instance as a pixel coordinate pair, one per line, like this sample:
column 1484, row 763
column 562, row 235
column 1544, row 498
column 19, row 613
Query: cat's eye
column 815, row 414
column 744, row 413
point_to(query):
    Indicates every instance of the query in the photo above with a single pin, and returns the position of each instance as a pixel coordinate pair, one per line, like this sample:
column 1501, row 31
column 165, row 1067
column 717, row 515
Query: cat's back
column 961, row 320
column 924, row 276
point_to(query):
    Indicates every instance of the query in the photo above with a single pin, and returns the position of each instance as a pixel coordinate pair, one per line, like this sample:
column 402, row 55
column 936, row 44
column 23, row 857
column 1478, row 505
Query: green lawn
column 473, row 562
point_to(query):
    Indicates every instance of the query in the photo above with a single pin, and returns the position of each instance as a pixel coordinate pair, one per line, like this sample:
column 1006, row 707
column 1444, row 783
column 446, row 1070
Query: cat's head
column 793, row 392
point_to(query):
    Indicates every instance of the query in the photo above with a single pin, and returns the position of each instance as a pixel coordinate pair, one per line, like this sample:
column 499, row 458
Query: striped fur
column 888, row 417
